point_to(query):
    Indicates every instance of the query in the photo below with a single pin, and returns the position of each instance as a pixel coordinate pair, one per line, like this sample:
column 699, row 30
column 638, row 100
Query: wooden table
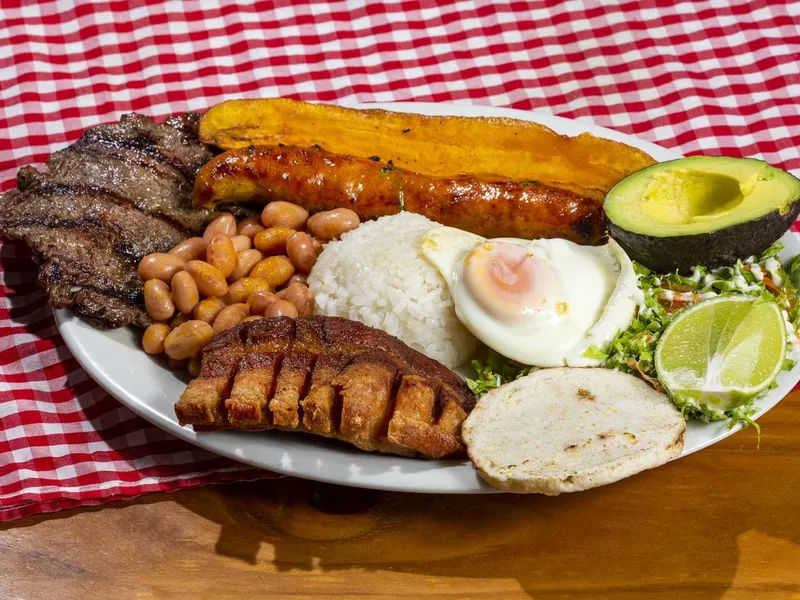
column 723, row 523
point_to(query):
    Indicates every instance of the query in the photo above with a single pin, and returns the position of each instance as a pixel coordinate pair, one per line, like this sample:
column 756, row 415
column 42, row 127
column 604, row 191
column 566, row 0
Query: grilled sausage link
column 318, row 180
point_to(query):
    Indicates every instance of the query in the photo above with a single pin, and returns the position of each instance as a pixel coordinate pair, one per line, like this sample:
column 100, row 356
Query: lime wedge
column 722, row 352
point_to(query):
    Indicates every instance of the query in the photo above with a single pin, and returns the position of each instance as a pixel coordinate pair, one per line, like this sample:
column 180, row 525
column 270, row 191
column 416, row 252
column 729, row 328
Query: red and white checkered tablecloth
column 716, row 77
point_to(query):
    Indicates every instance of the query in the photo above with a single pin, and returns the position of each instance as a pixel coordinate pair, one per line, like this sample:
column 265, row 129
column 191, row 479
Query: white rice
column 377, row 274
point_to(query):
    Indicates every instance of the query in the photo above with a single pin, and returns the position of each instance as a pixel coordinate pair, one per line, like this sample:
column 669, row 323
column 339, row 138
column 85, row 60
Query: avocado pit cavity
column 684, row 196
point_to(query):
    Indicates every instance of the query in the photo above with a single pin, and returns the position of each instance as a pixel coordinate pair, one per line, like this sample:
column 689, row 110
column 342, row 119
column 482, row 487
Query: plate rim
column 468, row 484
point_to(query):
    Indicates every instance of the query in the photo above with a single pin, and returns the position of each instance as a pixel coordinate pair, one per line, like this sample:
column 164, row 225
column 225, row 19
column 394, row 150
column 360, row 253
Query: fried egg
column 539, row 302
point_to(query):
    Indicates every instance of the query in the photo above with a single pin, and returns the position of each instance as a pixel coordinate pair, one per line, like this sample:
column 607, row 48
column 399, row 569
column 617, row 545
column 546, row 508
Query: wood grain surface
column 723, row 523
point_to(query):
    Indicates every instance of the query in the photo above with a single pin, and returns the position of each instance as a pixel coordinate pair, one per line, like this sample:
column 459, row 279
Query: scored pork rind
column 332, row 377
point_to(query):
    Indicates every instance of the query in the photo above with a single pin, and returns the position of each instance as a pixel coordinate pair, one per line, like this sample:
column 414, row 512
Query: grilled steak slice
column 43, row 203
column 73, row 258
column 331, row 377
column 174, row 141
column 86, row 239
column 151, row 166
column 107, row 312
column 120, row 192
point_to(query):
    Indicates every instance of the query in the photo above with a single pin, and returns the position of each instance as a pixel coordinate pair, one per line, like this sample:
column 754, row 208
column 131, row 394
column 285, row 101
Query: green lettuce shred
column 494, row 371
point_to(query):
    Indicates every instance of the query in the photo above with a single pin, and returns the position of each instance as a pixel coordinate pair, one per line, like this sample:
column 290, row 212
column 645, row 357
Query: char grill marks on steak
column 149, row 165
column 120, row 192
column 331, row 377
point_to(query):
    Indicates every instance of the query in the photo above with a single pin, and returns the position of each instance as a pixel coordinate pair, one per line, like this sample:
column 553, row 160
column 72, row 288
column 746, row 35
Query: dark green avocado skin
column 713, row 249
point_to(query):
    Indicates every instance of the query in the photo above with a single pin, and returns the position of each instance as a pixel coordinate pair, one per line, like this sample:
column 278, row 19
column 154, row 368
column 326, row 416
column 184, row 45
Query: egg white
column 595, row 294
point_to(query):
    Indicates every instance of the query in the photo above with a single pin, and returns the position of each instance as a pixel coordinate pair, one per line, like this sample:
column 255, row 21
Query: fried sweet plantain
column 434, row 145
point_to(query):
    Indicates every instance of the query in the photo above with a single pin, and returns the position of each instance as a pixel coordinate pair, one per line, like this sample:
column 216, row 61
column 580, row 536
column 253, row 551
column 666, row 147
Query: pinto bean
column 259, row 301
column 157, row 300
column 276, row 270
column 193, row 248
column 250, row 226
column 273, row 240
column 160, row 266
column 225, row 223
column 241, row 243
column 230, row 316
column 301, row 251
column 240, row 291
column 187, row 340
column 331, row 224
column 178, row 319
column 209, row 279
column 185, row 294
column 284, row 214
column 153, row 338
column 300, row 296
column 281, row 308
column 245, row 261
column 221, row 254
column 208, row 309
column 297, row 278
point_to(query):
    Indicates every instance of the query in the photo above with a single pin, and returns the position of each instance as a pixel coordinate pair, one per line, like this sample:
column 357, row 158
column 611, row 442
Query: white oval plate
column 114, row 359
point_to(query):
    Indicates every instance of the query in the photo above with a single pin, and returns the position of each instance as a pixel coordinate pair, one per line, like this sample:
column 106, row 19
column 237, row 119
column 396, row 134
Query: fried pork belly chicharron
column 120, row 192
column 331, row 377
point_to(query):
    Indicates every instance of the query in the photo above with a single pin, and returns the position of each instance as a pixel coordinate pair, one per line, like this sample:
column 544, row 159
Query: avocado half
column 701, row 210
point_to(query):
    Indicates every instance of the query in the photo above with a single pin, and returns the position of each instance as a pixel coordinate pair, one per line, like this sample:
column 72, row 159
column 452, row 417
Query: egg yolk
column 508, row 281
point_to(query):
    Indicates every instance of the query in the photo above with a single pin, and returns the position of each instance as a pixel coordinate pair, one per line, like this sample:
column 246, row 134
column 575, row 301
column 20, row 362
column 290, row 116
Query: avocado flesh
column 701, row 210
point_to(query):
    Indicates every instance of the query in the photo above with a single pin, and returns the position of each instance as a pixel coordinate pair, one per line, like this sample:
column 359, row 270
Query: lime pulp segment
column 723, row 351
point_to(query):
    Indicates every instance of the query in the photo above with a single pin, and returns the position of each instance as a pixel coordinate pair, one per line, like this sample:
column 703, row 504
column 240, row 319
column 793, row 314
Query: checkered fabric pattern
column 715, row 77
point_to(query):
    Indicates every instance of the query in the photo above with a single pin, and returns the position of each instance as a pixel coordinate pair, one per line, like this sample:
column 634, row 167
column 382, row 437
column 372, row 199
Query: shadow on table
column 629, row 539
